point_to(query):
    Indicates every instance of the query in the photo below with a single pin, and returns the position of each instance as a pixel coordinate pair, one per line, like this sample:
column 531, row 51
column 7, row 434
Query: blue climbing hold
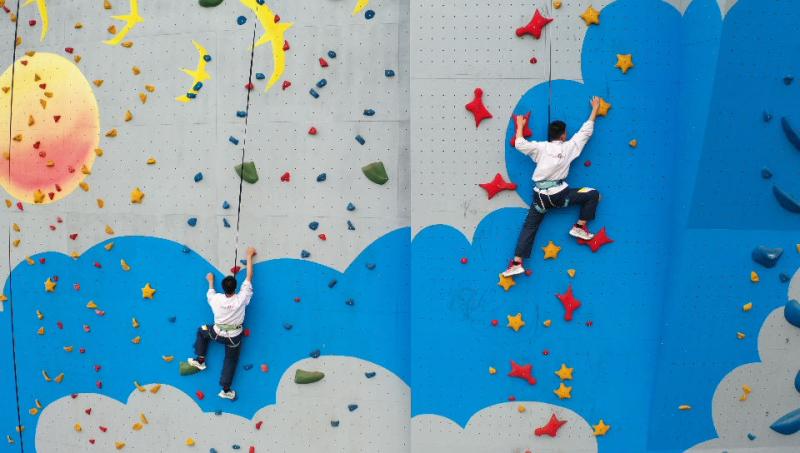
column 314, row 354
column 334, row 423
column 369, row 112
column 206, row 58
column 313, row 93
column 233, row 140
column 198, row 177
column 185, row 250
column 260, row 76
column 369, row 14
column 226, row 205
column 766, row 116
column 304, row 254
column 350, row 302
column 766, row 256
column 369, row 374
column 332, row 283
column 218, row 412
column 241, row 114
column 788, row 80
column 352, row 407
column 790, row 133
column 197, row 86
column 389, row 73
column 313, row 226
column 350, row 226
column 212, row 450
column 370, row 266
column 243, row 262
column 248, row 367
column 225, row 223
column 260, row 2
column 783, row 277
column 797, row 382
column 192, row 222
column 322, row 177
column 765, row 173
column 191, row 95
column 785, row 200
column 322, row 83
column 360, row 139
column 172, row 319
column 788, row 424
column 751, row 436
column 791, row 311
column 241, row 20
column 235, row 446
column 331, row 54
column 351, row 207
column 287, row 326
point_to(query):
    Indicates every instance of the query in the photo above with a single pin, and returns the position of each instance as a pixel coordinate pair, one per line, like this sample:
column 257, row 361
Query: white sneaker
column 200, row 366
column 513, row 269
column 229, row 395
column 581, row 233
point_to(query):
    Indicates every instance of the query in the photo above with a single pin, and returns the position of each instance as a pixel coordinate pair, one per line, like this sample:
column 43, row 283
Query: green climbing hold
column 376, row 173
column 248, row 172
column 210, row 3
column 187, row 370
column 307, row 377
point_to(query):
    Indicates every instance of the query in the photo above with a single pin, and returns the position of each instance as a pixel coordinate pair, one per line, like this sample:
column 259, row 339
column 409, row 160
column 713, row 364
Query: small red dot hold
column 285, row 45
column 76, row 286
column 286, row 84
column 19, row 206
column 60, row 324
column 528, row 272
column 59, row 219
column 277, row 18
column 73, row 395
column 589, row 323
column 97, row 368
column 42, row 260
column 512, row 398
column 249, row 86
column 235, row 270
column 55, row 278
column 99, row 384
column 69, row 50
column 464, row 260
column 200, row 394
column 32, row 22
column 97, row 265
column 323, row 63
column 494, row 322
column 534, row 60
column 246, row 332
column 545, row 352
column 264, row 367
column 286, row 177
column 312, row 131
column 588, row 163
column 297, row 299
column 323, row 237
column 91, row 441
column 103, row 428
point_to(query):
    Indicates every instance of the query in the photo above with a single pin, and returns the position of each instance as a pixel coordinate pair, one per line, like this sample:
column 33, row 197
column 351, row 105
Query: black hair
column 229, row 284
column 556, row 130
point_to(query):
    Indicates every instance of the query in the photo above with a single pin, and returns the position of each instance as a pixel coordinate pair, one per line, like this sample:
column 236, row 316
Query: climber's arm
column 524, row 146
column 251, row 252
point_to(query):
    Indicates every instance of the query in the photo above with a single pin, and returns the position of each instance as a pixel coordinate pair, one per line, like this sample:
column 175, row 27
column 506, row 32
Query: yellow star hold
column 136, row 196
column 747, row 307
column 591, row 16
column 148, row 291
column 601, row 428
column 506, row 282
column 38, row 196
column 515, row 322
column 604, row 107
column 746, row 390
column 551, row 251
column 564, row 373
column 624, row 62
column 492, row 370
column 49, row 285
column 754, row 277
column 563, row 392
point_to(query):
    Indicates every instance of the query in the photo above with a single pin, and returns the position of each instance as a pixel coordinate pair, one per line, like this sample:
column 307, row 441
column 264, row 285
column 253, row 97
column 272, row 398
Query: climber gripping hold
column 229, row 309
column 553, row 159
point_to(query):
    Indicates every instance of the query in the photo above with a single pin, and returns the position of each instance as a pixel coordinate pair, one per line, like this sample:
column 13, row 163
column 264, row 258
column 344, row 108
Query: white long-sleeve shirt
column 230, row 310
column 554, row 158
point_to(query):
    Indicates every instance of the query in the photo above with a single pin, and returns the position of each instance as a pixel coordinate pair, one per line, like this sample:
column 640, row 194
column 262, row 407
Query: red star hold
column 522, row 372
column 526, row 129
column 535, row 26
column 497, row 185
column 600, row 239
column 569, row 302
column 551, row 428
column 477, row 108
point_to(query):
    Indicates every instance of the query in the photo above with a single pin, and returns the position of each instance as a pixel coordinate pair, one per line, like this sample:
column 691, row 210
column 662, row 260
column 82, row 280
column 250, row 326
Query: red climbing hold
column 323, row 63
column 37, row 145
column 249, row 86
column 43, row 86
column 200, row 394
column 535, row 26
column 285, row 45
column 252, row 449
column 99, row 384
column 512, row 398
column 235, row 270
column 58, row 189
column 83, row 351
column 246, row 332
column 60, row 325
column 88, row 411
column 277, row 18
column 545, row 352
column 73, row 395
column 69, row 50
column 589, row 323
column 42, row 260
column 600, row 239
column 497, row 185
column 534, row 60
column 323, row 237
column 477, row 108
column 258, row 424
column 522, row 372
column 551, row 428
column 19, row 206
column 56, row 118
column 526, row 129
column 98, row 265
column 569, row 302
column 97, row 368
column 286, row 177
column 32, row 22
column 103, row 428
column 588, row 163
column 76, row 286
column 312, row 131
column 494, row 322
column 464, row 260
column 286, row 84
column 91, row 441
column 528, row 272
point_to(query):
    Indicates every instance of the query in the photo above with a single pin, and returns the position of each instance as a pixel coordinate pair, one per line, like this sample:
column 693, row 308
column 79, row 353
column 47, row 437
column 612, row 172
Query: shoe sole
column 511, row 274
column 580, row 237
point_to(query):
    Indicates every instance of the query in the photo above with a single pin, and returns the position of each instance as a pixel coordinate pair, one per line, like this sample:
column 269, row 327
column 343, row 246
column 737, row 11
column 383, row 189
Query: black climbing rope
column 250, row 89
column 8, row 239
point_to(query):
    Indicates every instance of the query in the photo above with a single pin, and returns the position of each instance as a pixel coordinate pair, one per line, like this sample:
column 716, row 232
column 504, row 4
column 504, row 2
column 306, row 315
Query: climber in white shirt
column 228, row 309
column 553, row 159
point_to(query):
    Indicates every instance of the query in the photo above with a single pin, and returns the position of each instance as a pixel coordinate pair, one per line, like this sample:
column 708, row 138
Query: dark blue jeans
column 233, row 347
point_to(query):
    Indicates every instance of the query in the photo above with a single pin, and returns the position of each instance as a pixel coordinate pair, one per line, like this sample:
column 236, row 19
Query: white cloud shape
column 773, row 393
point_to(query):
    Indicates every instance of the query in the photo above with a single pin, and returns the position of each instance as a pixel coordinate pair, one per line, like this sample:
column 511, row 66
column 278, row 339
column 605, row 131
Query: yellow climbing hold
column 125, row 266
column 18, row 138
column 86, row 170
column 604, row 107
column 31, row 120
column 136, row 340
column 139, row 386
column 515, row 322
column 150, row 88
column 98, row 83
column 112, row 133
column 591, row 16
column 137, row 426
column 58, row 379
column 747, row 307
column 148, row 291
column 547, row 323
column 100, row 203
column 571, row 273
column 136, row 70
column 109, row 246
column 557, row 4
column 143, row 419
column 563, row 392
column 154, row 389
column 633, row 143
column 98, row 152
column 601, row 428
column 624, row 62
column 84, row 185
column 119, row 445
column 746, row 390
column 151, row 161
column 49, row 285
column 75, row 255
column 136, row 196
column 740, row 335
column 190, row 442
column 506, row 282
column 492, row 370
column 112, row 29
column 77, row 427
column 134, row 323
column 127, row 44
column 106, row 4
column 68, row 348
column 15, row 227
column 564, row 373
column 551, row 251
column 167, row 358
column 143, row 97
column 28, row 260
column 109, row 230
column 40, row 331
column 78, row 26
column 39, row 315
column 16, row 242
column 38, row 403
column 684, row 407
column 33, row 411
column 91, row 305
column 128, row 115
column 754, row 277
column 521, row 408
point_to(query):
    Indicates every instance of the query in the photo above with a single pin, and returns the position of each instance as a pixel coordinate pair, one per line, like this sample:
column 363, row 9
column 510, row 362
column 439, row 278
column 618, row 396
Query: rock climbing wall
column 364, row 148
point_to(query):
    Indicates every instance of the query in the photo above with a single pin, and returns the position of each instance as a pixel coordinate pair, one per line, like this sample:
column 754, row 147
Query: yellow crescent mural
column 130, row 19
column 199, row 74
column 360, row 6
column 274, row 33
column 42, row 5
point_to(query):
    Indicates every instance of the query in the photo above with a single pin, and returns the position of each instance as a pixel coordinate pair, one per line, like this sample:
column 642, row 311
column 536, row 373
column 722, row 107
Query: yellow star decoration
column 199, row 75
column 624, row 62
column 601, row 428
column 506, row 282
column 563, row 392
column 604, row 107
column 515, row 322
column 564, row 373
column 591, row 16
column 130, row 19
column 49, row 285
column 551, row 251
column 273, row 33
column 148, row 291
column 360, row 6
column 136, row 196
